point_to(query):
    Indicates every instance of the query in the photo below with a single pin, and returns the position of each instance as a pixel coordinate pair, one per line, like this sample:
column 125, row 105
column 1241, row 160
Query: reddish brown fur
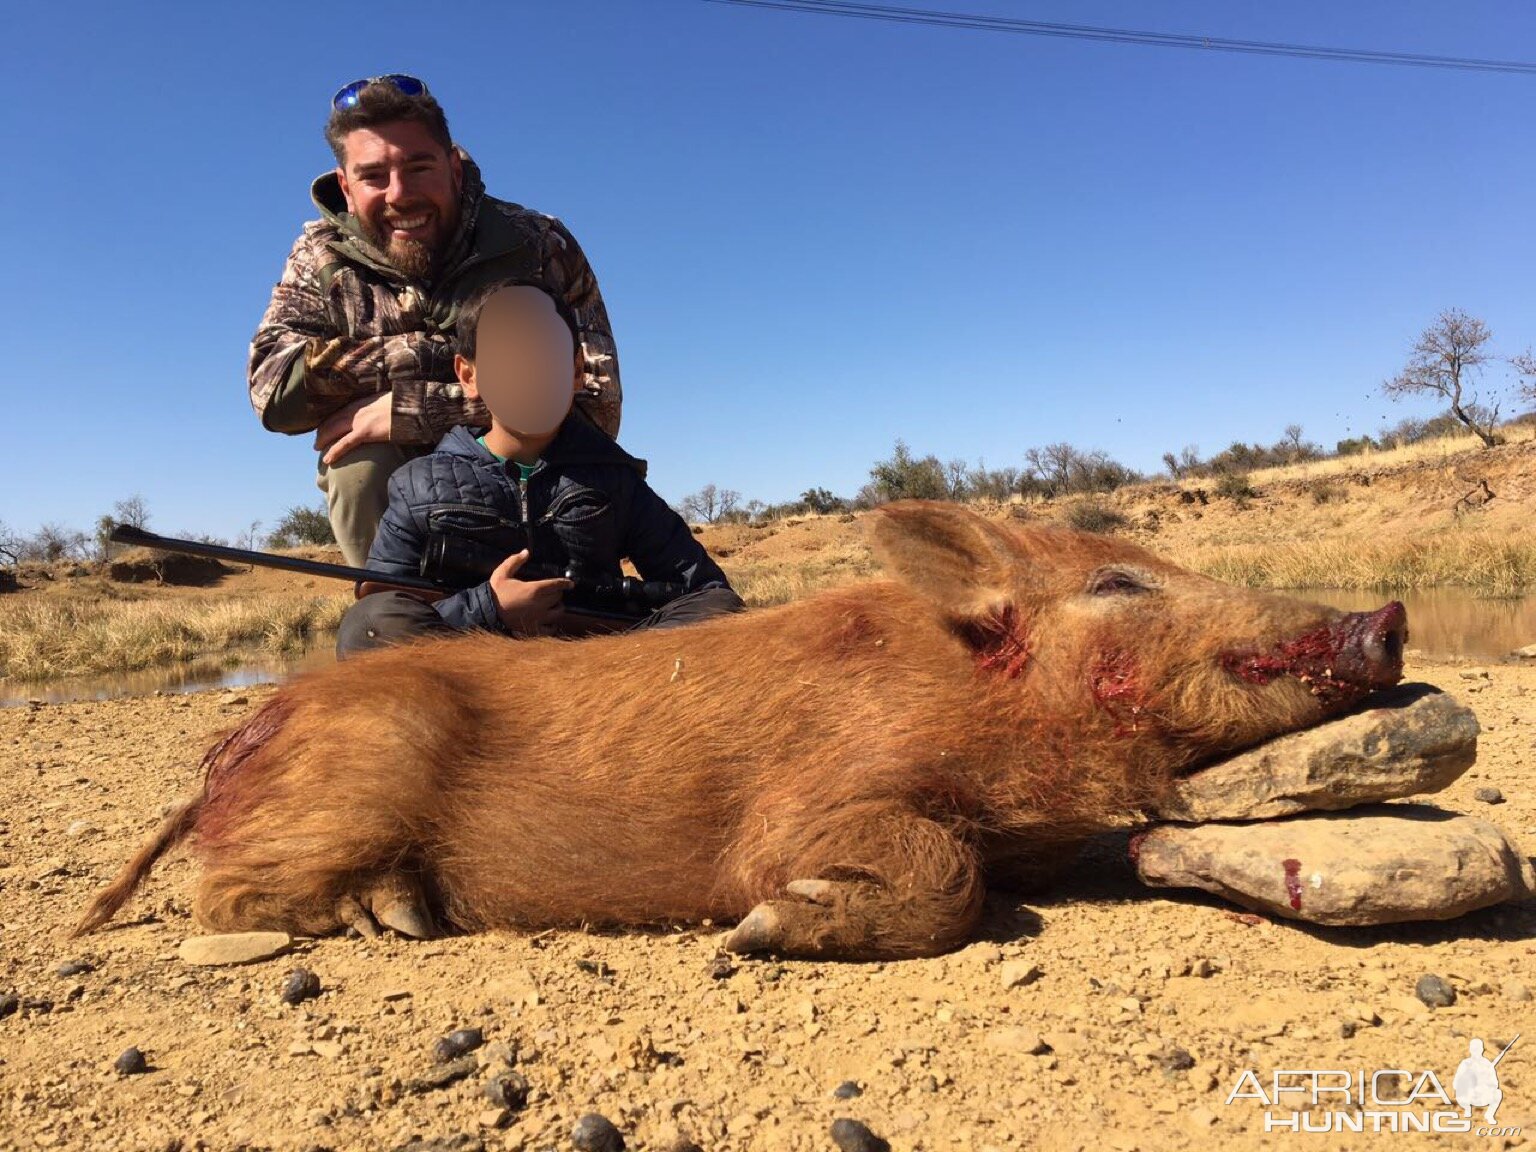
column 901, row 739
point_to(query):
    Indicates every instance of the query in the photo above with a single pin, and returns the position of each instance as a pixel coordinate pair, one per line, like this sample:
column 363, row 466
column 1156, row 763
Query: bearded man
column 357, row 344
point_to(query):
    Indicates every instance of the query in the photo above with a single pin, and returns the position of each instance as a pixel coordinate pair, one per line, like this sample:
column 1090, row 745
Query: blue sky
column 815, row 235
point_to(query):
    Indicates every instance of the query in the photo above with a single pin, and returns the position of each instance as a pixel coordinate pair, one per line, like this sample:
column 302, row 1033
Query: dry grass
column 1492, row 564
column 43, row 639
column 763, row 583
column 1437, row 450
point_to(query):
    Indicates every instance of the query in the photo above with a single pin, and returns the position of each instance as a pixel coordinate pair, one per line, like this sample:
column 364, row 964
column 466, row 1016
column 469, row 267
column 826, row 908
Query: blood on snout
column 1311, row 657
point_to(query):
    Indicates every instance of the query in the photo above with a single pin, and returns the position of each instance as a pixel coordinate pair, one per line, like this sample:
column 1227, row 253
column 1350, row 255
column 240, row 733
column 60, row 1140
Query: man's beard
column 415, row 258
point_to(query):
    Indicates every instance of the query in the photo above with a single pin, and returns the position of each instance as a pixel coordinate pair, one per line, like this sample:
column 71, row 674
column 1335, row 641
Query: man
column 357, row 344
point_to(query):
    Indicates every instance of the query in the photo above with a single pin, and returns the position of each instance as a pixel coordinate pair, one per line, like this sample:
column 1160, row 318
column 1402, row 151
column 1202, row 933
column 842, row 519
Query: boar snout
column 1370, row 646
column 1338, row 662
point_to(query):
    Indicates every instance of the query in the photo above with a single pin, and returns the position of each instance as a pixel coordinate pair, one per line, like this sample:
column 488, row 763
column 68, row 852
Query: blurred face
column 403, row 187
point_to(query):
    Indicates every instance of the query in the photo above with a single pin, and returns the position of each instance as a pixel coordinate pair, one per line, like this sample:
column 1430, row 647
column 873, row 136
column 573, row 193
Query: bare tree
column 133, row 512
column 1449, row 354
column 1525, row 365
column 709, row 503
column 10, row 545
column 55, row 542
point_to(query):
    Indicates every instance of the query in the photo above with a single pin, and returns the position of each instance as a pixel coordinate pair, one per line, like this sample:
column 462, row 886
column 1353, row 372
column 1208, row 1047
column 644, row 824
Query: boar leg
column 866, row 888
column 230, row 900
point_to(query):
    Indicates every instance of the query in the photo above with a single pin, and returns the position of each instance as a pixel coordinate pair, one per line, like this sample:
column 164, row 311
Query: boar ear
column 962, row 562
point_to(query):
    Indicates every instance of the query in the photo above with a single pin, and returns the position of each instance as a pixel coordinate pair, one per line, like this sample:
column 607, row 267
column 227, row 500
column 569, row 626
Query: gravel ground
column 1104, row 1016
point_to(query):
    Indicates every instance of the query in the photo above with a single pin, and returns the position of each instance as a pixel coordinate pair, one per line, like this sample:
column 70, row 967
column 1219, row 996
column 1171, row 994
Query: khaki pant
column 355, row 493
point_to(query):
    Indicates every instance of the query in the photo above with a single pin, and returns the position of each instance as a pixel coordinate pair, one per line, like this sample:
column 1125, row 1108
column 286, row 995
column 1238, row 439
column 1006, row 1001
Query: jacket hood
column 579, row 441
column 327, row 195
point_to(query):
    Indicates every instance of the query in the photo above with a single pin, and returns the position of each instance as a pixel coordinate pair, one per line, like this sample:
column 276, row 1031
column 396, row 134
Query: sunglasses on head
column 348, row 94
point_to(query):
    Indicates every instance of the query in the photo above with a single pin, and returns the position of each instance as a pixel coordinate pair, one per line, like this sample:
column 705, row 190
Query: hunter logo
column 1384, row 1100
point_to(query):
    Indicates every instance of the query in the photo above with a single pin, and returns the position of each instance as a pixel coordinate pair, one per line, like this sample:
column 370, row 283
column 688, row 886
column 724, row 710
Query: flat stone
column 1526, row 653
column 1378, row 865
column 1019, row 973
column 1412, row 739
column 1012, row 1039
column 233, row 948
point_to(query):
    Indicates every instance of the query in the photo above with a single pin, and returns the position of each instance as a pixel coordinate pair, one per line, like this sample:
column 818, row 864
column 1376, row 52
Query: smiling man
column 357, row 344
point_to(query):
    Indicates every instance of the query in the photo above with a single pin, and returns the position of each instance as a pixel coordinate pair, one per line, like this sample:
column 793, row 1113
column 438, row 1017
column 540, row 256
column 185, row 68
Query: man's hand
column 364, row 421
column 526, row 607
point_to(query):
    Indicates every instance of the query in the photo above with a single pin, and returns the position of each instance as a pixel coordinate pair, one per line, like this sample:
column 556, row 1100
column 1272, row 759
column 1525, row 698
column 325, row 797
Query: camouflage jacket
column 344, row 324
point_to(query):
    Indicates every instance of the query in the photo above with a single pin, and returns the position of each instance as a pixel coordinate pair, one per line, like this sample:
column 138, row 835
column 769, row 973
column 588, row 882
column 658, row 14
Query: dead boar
column 839, row 774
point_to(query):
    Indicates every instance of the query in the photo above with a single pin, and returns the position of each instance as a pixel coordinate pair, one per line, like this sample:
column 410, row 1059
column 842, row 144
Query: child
column 541, row 486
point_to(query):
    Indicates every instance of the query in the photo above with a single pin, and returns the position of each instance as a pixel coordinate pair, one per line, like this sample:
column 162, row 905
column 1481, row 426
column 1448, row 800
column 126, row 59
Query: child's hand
column 526, row 607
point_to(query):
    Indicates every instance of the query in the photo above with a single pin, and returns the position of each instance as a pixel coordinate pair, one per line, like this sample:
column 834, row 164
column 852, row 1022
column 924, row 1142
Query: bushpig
column 841, row 775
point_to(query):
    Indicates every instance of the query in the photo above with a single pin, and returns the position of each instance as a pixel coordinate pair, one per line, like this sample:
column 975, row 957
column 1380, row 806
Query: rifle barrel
column 126, row 534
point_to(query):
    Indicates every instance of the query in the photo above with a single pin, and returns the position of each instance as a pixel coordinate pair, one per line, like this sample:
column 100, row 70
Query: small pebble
column 457, row 1043
column 301, row 985
column 131, row 1063
column 74, row 968
column 852, row 1136
column 1175, row 1060
column 508, row 1091
column 847, row 1090
column 1513, row 990
column 1435, row 992
column 1019, row 973
column 1347, row 1029
column 594, row 1133
column 1489, row 796
column 721, row 967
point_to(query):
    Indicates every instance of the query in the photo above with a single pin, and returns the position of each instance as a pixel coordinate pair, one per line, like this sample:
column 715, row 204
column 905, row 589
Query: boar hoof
column 352, row 915
column 760, row 930
column 397, row 902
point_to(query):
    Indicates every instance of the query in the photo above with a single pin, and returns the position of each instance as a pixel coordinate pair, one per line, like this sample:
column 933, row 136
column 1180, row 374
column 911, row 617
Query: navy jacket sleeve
column 662, row 548
column 397, row 550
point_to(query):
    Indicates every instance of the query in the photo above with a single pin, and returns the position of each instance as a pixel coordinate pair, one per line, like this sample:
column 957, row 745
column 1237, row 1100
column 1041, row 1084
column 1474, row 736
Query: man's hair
column 469, row 315
column 383, row 103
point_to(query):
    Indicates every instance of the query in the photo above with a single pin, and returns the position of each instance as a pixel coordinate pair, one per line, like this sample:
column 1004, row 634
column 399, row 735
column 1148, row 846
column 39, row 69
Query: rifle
column 597, row 604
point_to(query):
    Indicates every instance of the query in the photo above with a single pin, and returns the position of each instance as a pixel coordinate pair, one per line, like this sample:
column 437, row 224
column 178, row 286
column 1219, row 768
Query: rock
column 1019, row 973
column 509, row 1091
column 74, row 968
column 9, row 1003
column 847, row 1090
column 443, row 1075
column 721, row 966
column 494, row 1118
column 131, row 1063
column 1174, row 1060
column 458, row 1043
column 1413, row 739
column 852, row 1136
column 1017, row 1040
column 1514, row 990
column 233, row 948
column 1489, row 796
column 1526, row 653
column 301, row 985
column 594, row 1133
column 1376, row 865
column 1435, row 991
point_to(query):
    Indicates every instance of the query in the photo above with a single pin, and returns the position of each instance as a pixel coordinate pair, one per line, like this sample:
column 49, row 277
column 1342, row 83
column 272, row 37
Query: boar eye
column 1116, row 582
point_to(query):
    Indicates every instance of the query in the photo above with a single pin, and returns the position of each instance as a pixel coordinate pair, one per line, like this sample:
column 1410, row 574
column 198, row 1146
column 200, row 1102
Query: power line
column 932, row 18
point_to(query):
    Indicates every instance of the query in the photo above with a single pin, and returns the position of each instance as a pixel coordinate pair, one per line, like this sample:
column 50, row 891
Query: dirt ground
column 1129, row 1020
